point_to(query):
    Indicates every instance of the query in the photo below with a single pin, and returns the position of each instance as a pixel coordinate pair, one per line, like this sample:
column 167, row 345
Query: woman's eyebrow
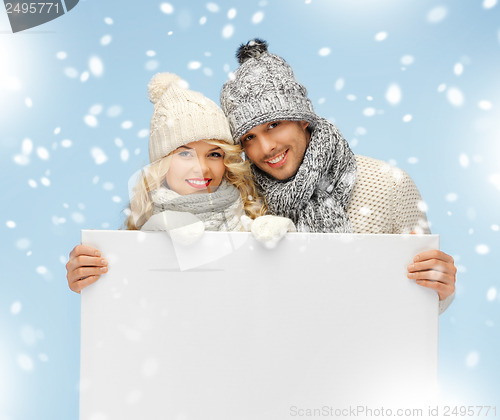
column 215, row 148
column 185, row 147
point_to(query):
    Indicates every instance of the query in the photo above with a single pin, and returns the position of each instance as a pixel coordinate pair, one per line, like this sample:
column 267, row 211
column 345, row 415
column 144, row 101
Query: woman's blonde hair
column 237, row 173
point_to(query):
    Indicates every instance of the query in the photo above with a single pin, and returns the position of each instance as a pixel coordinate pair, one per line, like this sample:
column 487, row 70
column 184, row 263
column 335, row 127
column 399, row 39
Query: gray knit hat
column 182, row 116
column 263, row 89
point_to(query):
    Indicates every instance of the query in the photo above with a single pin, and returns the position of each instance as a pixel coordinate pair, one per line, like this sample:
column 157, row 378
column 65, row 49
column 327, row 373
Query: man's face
column 277, row 147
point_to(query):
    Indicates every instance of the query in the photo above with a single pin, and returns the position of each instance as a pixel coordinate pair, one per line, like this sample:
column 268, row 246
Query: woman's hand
column 84, row 267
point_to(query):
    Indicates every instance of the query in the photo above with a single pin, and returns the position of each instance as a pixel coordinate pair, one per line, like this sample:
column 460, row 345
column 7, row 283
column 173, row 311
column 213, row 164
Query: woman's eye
column 216, row 155
column 184, row 153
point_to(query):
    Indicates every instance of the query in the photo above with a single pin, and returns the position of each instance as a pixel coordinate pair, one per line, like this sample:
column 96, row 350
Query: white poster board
column 245, row 332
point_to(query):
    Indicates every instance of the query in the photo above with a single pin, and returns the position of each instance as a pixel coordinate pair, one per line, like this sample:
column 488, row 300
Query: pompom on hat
column 263, row 89
column 182, row 116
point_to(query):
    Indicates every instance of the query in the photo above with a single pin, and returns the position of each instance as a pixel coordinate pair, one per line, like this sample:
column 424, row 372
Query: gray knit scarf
column 317, row 196
column 219, row 211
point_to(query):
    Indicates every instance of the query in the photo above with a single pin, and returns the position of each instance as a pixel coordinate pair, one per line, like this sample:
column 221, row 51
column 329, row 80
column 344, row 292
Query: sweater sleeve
column 409, row 214
column 408, row 206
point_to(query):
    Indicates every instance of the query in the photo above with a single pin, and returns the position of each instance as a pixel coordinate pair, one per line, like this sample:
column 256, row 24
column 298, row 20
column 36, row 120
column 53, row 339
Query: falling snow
column 42, row 153
column 482, row 249
column 458, row 69
column 472, row 359
column 167, row 8
column 407, row 60
column 323, row 52
column 16, row 307
column 369, row 112
column 212, row 7
column 227, row 31
column 488, row 4
column 455, row 96
column 231, row 13
column 114, row 111
column 451, row 197
column 106, row 40
column 464, row 161
column 84, row 76
column 98, row 155
column 42, row 270
column 422, row 206
column 485, row 105
column 194, row 65
column 407, row 118
column 437, row 14
column 339, row 84
column 25, row 362
column 77, row 217
column 393, row 94
column 381, row 36
column 143, row 133
column 96, row 66
column 71, row 72
column 90, row 120
column 257, row 17
column 494, row 180
column 124, row 155
column 492, row 294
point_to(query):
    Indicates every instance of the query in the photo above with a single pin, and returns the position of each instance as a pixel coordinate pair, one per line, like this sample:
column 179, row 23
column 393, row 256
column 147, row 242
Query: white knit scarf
column 317, row 196
column 219, row 211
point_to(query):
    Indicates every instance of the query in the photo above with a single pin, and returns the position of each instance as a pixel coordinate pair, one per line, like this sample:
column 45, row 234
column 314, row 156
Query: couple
column 303, row 169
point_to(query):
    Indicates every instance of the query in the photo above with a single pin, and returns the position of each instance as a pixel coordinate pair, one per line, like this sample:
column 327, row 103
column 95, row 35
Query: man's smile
column 278, row 160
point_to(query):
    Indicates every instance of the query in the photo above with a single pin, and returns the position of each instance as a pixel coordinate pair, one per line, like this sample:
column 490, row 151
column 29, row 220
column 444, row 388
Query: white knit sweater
column 386, row 200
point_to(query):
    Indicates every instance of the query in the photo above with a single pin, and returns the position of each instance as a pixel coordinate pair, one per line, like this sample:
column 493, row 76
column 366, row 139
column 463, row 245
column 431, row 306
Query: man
column 308, row 173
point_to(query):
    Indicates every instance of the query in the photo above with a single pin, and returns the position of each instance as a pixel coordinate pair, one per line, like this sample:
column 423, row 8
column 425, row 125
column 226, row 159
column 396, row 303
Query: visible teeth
column 277, row 159
column 192, row 181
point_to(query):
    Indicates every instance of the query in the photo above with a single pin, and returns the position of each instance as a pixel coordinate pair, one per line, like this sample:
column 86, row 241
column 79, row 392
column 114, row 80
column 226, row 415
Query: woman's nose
column 202, row 167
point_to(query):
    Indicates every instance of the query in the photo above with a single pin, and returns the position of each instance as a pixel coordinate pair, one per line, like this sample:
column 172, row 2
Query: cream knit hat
column 182, row 116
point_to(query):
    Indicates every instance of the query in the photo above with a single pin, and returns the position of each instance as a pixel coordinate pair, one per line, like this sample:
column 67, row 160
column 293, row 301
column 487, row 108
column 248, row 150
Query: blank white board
column 228, row 329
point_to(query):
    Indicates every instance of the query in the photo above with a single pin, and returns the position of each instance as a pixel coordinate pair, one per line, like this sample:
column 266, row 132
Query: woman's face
column 196, row 168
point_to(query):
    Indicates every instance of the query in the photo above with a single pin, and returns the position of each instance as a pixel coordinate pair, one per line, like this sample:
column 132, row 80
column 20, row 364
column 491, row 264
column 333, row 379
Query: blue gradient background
column 56, row 191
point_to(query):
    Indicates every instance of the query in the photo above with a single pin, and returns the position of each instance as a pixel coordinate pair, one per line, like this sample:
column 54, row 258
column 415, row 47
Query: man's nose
column 267, row 144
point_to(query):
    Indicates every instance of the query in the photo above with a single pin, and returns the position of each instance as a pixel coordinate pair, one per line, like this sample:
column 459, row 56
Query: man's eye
column 273, row 124
column 247, row 138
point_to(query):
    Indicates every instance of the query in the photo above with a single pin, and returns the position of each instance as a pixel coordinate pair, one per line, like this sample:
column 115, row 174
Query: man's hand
column 84, row 267
column 435, row 270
